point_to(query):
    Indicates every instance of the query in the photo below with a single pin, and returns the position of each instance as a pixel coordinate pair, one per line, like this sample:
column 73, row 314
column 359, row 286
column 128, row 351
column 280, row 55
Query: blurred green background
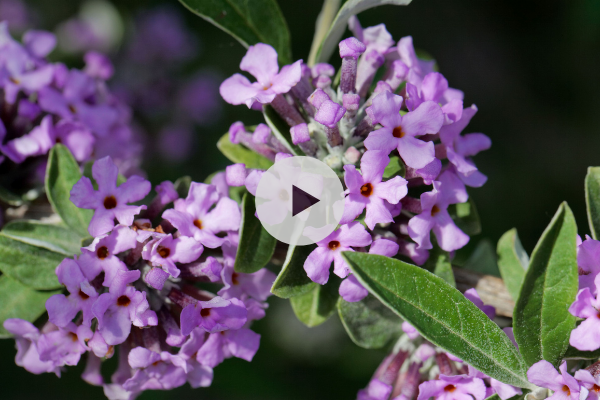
column 530, row 66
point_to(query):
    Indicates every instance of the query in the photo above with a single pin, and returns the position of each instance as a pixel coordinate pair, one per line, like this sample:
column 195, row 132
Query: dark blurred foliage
column 531, row 69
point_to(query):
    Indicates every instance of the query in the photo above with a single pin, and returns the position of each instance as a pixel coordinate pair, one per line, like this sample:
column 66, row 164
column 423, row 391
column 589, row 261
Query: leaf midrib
column 520, row 378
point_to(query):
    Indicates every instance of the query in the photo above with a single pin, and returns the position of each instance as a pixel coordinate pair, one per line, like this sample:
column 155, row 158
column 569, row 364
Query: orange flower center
column 334, row 244
column 163, row 251
column 566, row 389
column 123, row 301
column 83, row 295
column 234, row 279
column 398, row 132
column 434, row 210
column 102, row 252
column 366, row 189
column 198, row 224
column 205, row 312
column 450, row 388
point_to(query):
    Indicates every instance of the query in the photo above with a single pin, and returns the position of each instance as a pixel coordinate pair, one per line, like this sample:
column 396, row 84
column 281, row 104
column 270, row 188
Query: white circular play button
column 299, row 200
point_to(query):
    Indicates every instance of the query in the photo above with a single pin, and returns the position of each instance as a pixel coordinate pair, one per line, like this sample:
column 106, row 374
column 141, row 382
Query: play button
column 299, row 200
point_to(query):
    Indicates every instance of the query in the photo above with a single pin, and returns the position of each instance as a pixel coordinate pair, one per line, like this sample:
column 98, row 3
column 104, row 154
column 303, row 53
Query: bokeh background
column 530, row 66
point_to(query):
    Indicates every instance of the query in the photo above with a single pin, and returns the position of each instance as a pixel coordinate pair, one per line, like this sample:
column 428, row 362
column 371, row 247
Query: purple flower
column 166, row 251
column 368, row 191
column 351, row 289
column 154, row 371
column 98, row 65
column 587, row 335
column 194, row 217
column 400, row 131
column 460, row 148
column 588, row 261
column 565, row 387
column 213, row 316
column 198, row 374
column 62, row 309
column 448, row 189
column 256, row 285
column 101, row 254
column 78, row 139
column 65, row 345
column 109, row 201
column 241, row 343
column 457, row 387
column 27, row 336
column 410, row 330
column 121, row 307
column 434, row 87
column 37, row 142
column 330, row 250
column 376, row 390
column 261, row 62
column 588, row 381
column 417, row 68
column 503, row 390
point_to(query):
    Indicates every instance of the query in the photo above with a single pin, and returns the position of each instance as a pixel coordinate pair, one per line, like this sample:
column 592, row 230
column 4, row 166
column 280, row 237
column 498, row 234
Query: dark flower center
column 566, row 389
column 198, row 224
column 267, row 87
column 83, row 295
column 334, row 244
column 596, row 388
column 450, row 388
column 102, row 252
column 366, row 189
column 398, row 132
column 582, row 271
column 72, row 108
column 234, row 279
column 14, row 80
column 434, row 210
column 163, row 251
column 205, row 312
column 123, row 301
column 110, row 202
column 73, row 336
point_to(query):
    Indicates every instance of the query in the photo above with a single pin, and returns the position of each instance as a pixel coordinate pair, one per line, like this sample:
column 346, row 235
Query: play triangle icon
column 301, row 200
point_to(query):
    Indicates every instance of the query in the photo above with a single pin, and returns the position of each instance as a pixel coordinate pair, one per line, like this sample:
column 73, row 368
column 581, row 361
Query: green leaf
column 32, row 266
column 512, row 262
column 62, row 173
column 441, row 314
column 281, row 130
column 324, row 20
column 250, row 22
column 439, row 263
column 369, row 323
column 292, row 279
column 483, row 259
column 182, row 186
column 315, row 307
column 592, row 200
column 576, row 354
column 395, row 167
column 57, row 238
column 20, row 301
column 338, row 26
column 493, row 397
column 241, row 155
column 10, row 198
column 256, row 244
column 542, row 323
column 466, row 217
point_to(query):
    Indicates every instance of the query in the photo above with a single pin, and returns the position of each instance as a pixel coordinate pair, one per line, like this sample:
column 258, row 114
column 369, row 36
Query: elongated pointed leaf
column 57, row 238
column 439, row 263
column 241, row 155
column 324, row 20
column 20, row 301
column 31, row 265
column 292, row 279
column 483, row 259
column 256, row 244
column 250, row 22
column 61, row 174
column 369, row 323
column 316, row 306
column 281, row 130
column 576, row 354
column 394, row 168
column 592, row 200
column 512, row 262
column 441, row 314
column 542, row 322
column 338, row 26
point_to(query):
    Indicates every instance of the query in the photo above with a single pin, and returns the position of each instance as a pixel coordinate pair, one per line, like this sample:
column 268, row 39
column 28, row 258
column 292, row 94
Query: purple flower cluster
column 46, row 103
column 410, row 115
column 144, row 290
column 419, row 370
